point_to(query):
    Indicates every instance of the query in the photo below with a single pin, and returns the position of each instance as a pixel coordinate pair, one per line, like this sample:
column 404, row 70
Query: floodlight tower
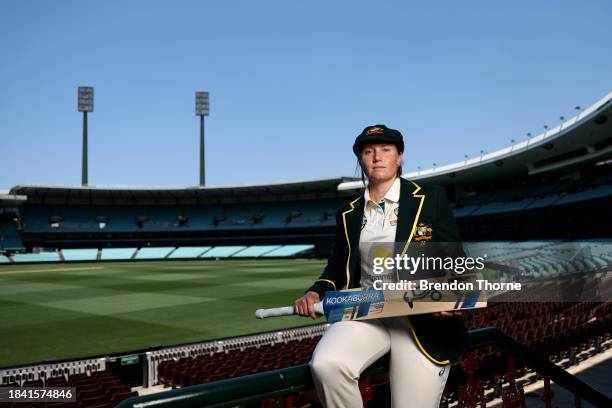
column 85, row 104
column 201, row 110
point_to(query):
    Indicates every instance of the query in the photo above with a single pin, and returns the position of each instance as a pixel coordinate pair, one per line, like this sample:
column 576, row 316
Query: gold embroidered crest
column 422, row 232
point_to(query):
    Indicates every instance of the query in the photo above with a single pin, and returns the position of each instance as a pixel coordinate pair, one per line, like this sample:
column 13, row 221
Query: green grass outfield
column 58, row 311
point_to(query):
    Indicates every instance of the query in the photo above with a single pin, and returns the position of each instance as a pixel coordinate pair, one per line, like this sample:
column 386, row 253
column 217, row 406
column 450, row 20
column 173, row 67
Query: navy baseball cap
column 378, row 134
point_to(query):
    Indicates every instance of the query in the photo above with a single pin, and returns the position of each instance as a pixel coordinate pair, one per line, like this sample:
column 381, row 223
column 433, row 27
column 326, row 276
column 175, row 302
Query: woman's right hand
column 304, row 306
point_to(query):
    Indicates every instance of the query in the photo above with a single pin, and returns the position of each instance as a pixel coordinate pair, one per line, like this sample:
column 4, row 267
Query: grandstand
column 10, row 227
column 540, row 209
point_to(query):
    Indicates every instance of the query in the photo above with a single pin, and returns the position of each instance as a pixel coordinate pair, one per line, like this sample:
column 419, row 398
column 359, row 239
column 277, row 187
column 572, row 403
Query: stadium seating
column 11, row 243
column 223, row 251
column 535, row 259
column 100, row 389
column 117, row 254
column 464, row 211
column 298, row 214
column 153, row 252
column 80, row 254
column 37, row 218
column 9, row 236
column 256, row 251
column 560, row 331
column 593, row 192
column 36, row 257
column 106, row 254
column 499, row 207
column 546, row 258
column 288, row 250
column 213, row 367
column 188, row 252
column 528, row 197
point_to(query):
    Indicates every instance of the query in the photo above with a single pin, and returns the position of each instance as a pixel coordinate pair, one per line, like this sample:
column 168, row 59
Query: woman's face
column 380, row 161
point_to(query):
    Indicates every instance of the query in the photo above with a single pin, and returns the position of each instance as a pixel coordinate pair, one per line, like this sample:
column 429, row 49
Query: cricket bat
column 358, row 304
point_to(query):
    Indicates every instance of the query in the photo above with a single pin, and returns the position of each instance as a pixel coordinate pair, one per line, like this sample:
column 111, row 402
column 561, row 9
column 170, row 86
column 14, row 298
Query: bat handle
column 284, row 311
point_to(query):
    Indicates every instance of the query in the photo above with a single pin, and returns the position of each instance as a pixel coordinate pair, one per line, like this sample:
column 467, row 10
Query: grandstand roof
column 584, row 138
column 11, row 199
column 125, row 195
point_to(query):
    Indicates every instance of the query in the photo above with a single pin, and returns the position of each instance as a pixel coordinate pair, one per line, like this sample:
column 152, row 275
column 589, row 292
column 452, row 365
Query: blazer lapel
column 352, row 218
column 410, row 205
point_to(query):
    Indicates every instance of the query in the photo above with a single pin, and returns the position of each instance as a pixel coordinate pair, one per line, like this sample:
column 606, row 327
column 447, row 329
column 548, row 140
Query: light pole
column 201, row 110
column 85, row 104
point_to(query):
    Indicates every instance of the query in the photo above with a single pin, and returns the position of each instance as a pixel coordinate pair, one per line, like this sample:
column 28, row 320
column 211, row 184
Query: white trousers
column 347, row 348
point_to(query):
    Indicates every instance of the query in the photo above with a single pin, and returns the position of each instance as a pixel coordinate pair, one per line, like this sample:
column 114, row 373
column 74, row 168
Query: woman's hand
column 304, row 306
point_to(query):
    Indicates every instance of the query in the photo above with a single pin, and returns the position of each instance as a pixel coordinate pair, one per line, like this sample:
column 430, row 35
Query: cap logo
column 375, row 131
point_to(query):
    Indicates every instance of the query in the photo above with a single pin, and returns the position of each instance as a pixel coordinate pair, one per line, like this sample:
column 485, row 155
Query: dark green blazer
column 440, row 339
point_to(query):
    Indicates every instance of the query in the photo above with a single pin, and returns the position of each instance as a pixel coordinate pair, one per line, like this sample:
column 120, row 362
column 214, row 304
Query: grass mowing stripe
column 109, row 305
column 35, row 315
column 48, row 270
column 28, row 287
column 87, row 336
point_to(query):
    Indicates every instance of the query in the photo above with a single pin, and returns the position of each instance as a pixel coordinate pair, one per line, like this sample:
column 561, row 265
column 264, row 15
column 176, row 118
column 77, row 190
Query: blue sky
column 291, row 82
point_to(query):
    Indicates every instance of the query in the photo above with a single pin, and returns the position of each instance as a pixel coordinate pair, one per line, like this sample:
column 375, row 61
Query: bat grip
column 284, row 311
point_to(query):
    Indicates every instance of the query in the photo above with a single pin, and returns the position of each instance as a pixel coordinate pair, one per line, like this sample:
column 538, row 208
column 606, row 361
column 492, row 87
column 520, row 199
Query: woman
column 422, row 347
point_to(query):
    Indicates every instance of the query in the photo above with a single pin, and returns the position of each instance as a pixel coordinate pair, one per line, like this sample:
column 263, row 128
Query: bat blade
column 362, row 305
column 357, row 304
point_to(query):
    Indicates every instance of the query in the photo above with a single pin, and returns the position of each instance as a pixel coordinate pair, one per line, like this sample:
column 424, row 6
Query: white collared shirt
column 378, row 233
